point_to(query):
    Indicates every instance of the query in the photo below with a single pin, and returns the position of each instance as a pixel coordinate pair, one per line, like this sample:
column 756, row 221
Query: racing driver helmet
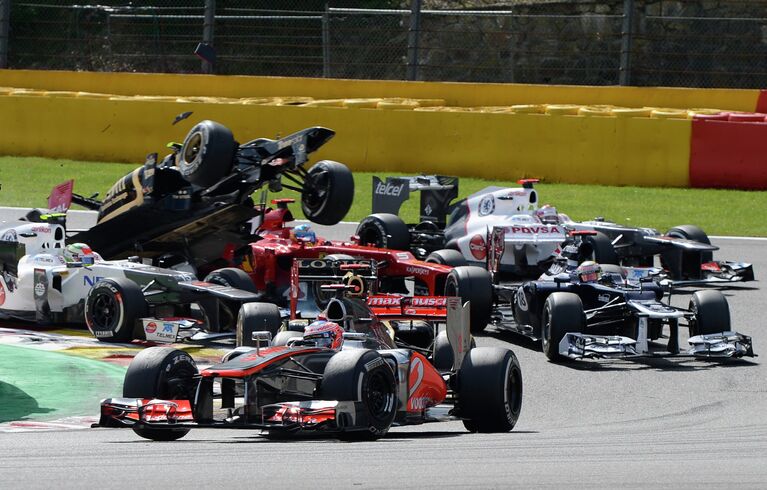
column 547, row 214
column 79, row 252
column 304, row 233
column 325, row 334
column 589, row 271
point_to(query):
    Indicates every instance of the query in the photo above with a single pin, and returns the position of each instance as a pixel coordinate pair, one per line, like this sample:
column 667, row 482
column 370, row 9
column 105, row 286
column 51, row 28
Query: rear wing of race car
column 437, row 192
column 358, row 277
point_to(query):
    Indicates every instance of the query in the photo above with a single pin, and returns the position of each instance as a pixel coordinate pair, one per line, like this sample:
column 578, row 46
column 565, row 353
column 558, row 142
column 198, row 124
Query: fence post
column 207, row 31
column 326, row 42
column 412, row 39
column 5, row 28
column 627, row 35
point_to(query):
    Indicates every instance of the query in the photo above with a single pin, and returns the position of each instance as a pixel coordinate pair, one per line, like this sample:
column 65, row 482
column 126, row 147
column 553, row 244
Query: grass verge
column 27, row 182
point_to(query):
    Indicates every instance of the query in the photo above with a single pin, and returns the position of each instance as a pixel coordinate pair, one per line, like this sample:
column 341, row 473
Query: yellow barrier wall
column 578, row 149
column 457, row 94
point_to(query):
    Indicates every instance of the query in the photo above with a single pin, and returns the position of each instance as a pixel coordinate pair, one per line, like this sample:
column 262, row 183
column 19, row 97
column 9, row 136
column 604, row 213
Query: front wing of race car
column 288, row 417
column 713, row 346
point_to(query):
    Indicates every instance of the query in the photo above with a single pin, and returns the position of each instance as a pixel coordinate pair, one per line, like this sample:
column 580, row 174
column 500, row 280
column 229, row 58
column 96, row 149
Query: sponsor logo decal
column 41, row 229
column 10, row 236
column 427, row 210
column 419, row 271
column 44, row 260
column 389, row 189
column 151, row 327
column 522, row 300
column 604, row 298
column 384, row 301
column 477, row 247
column 91, row 281
column 404, row 255
column 39, row 289
column 442, row 301
column 530, row 230
column 2, row 294
column 486, row 205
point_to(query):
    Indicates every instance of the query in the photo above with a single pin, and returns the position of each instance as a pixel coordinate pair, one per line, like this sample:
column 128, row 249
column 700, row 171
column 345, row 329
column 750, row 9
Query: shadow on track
column 15, row 404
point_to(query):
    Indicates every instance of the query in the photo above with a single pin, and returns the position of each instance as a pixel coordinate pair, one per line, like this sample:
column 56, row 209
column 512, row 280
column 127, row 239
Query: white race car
column 46, row 281
column 534, row 235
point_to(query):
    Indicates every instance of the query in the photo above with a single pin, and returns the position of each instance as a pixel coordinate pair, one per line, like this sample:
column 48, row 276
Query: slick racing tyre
column 282, row 337
column 602, row 247
column 442, row 358
column 562, row 313
column 490, row 390
column 711, row 313
column 207, row 154
column 692, row 232
column 384, row 230
column 327, row 192
column 472, row 284
column 232, row 277
column 226, row 317
column 447, row 256
column 164, row 373
column 256, row 317
column 362, row 375
column 112, row 309
column 417, row 333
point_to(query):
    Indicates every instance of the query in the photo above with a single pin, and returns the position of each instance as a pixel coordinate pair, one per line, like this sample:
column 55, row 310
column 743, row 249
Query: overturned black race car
column 190, row 205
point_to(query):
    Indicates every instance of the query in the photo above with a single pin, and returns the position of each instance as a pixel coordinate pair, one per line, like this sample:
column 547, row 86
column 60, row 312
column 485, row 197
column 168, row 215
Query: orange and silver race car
column 297, row 383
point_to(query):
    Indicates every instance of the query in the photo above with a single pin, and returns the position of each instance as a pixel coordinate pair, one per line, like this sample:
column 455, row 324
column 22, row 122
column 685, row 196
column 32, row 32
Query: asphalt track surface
column 600, row 424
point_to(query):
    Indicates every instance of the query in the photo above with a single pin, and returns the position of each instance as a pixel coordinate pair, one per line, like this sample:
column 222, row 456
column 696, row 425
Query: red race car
column 342, row 376
column 267, row 262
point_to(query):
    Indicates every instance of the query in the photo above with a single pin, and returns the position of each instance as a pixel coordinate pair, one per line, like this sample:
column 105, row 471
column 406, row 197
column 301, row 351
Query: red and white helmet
column 325, row 334
column 547, row 214
column 589, row 271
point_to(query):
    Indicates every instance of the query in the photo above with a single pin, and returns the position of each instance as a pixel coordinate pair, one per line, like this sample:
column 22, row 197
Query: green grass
column 27, row 182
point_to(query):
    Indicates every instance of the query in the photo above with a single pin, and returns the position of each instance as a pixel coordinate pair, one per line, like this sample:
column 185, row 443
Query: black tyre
column 711, row 313
column 362, row 375
column 562, row 313
column 415, row 333
column 490, row 390
column 282, row 337
column 233, row 277
column 112, row 308
column 384, row 230
column 692, row 232
column 442, row 359
column 165, row 373
column 447, row 256
column 327, row 192
column 603, row 251
column 207, row 154
column 254, row 317
column 472, row 284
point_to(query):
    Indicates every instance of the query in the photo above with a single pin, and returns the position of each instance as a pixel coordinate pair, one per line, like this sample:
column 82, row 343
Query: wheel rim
column 178, row 383
column 316, row 187
column 368, row 236
column 105, row 312
column 379, row 395
column 192, row 148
